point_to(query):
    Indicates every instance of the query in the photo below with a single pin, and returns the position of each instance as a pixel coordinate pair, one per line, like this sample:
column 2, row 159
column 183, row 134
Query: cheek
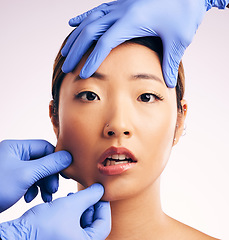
column 75, row 129
column 76, row 124
column 157, row 139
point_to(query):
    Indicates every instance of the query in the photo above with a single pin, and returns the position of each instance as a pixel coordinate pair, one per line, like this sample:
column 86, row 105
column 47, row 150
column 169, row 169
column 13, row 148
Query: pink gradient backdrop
column 196, row 181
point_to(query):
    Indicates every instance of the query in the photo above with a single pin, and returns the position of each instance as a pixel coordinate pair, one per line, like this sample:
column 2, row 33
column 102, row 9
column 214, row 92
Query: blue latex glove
column 175, row 22
column 19, row 176
column 60, row 219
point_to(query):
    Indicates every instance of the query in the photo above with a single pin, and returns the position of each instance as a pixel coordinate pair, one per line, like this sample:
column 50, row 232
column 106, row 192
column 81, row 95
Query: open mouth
column 117, row 159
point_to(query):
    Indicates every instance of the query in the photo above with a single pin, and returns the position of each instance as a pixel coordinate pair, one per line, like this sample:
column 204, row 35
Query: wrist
column 15, row 229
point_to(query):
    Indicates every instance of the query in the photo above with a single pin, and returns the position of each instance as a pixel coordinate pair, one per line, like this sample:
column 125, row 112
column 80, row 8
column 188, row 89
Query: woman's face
column 122, row 111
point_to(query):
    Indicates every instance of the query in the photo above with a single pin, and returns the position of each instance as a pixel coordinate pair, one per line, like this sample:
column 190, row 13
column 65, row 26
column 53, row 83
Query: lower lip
column 115, row 169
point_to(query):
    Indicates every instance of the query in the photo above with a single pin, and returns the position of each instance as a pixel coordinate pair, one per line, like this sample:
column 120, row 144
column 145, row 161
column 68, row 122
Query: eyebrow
column 141, row 76
column 94, row 75
column 147, row 76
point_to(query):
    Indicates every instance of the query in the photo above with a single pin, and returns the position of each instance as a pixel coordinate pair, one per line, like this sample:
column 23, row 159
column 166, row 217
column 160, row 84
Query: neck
column 140, row 216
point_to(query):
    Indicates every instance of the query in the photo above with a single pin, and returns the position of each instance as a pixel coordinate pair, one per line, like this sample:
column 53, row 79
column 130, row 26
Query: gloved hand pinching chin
column 61, row 219
column 26, row 164
column 111, row 24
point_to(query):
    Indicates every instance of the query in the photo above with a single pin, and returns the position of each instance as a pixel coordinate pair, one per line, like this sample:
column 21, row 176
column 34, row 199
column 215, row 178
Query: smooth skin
column 123, row 95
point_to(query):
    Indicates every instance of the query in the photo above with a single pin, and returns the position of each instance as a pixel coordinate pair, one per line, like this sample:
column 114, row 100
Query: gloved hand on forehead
column 61, row 219
column 111, row 24
column 19, row 176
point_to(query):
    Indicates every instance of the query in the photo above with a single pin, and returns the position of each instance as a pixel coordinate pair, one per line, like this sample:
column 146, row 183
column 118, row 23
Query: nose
column 118, row 125
column 112, row 131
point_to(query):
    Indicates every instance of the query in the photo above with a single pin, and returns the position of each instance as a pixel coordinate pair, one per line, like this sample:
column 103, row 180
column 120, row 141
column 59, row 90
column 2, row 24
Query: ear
column 181, row 116
column 54, row 119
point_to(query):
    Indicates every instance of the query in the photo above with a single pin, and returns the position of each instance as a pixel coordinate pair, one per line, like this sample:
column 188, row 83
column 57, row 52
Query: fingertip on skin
column 87, row 70
column 97, row 187
column 66, row 67
column 64, row 157
column 95, row 191
column 97, row 56
column 171, row 83
column 82, row 75
column 170, row 78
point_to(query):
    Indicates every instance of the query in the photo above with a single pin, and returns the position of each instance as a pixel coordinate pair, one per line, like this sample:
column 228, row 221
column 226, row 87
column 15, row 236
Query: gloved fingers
column 114, row 36
column 87, row 217
column 101, row 226
column 46, row 196
column 89, row 34
column 31, row 193
column 39, row 148
column 173, row 53
column 76, row 21
column 74, row 35
column 102, row 211
column 83, row 199
column 28, row 149
column 49, row 184
column 48, row 165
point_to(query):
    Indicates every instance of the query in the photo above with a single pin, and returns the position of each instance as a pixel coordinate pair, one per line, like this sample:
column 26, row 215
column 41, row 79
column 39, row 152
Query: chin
column 111, row 196
column 115, row 188
column 119, row 189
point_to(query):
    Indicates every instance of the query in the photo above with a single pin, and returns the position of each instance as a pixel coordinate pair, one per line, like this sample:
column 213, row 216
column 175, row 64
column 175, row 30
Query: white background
column 195, row 185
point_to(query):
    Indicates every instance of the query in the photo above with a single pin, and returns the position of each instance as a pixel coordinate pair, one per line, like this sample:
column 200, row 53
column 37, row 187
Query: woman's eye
column 87, row 96
column 147, row 97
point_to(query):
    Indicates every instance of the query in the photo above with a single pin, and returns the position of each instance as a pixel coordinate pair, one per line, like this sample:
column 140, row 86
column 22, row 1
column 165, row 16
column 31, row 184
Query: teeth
column 108, row 163
column 121, row 162
column 122, row 157
column 115, row 156
column 118, row 157
column 112, row 162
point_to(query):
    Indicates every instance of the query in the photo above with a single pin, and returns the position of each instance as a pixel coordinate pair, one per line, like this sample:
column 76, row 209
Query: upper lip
column 117, row 150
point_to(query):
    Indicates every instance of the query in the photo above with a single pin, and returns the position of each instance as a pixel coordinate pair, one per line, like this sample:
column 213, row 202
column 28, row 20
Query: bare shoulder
column 183, row 231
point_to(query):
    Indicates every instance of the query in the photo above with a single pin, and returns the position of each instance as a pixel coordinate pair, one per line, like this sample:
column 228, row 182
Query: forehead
column 125, row 60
